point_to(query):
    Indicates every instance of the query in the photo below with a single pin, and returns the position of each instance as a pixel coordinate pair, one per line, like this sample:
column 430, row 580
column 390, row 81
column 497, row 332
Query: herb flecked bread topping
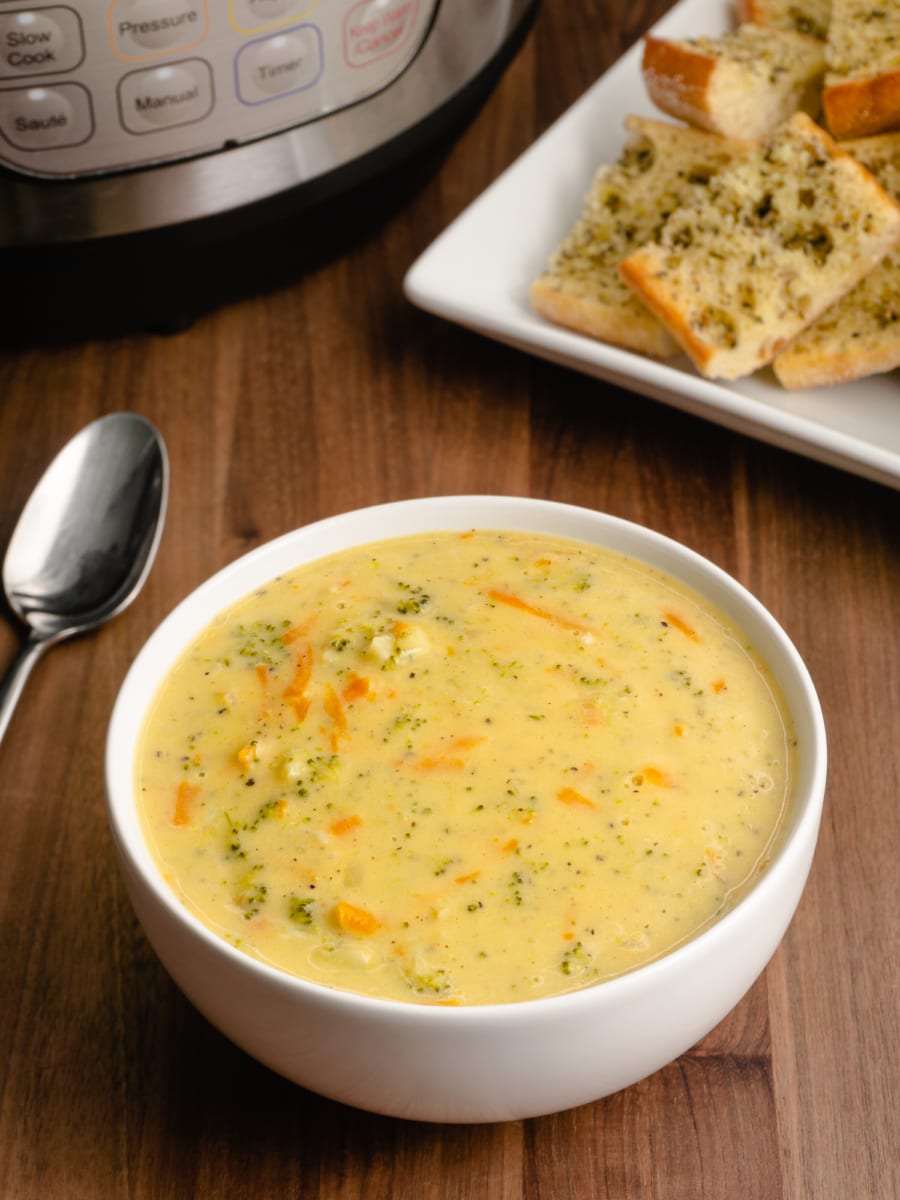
column 860, row 335
column 660, row 167
column 783, row 248
column 810, row 16
column 775, row 240
column 862, row 86
column 742, row 84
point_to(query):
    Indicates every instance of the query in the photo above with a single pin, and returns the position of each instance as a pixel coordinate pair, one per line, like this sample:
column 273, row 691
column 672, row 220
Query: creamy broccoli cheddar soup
column 465, row 768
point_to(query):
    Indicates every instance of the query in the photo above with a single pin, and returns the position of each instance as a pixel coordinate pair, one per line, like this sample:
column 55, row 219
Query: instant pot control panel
column 96, row 87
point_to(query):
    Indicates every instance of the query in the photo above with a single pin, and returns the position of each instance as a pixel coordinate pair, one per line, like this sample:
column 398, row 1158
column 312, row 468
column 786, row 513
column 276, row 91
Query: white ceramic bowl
column 494, row 1062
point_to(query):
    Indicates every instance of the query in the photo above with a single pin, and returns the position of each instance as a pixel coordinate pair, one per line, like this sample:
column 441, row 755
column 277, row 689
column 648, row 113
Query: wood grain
column 332, row 393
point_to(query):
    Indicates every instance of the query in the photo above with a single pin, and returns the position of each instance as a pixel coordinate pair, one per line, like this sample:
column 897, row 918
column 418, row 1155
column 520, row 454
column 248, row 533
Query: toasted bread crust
column 861, row 94
column 735, row 277
column 749, row 11
column 637, row 331
column 677, row 80
column 808, row 16
column 860, row 335
column 660, row 165
column 641, row 272
column 861, row 107
column 741, row 84
column 853, row 362
column 638, row 272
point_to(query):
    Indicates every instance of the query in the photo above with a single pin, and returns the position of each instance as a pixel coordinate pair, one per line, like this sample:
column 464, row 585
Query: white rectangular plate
column 478, row 272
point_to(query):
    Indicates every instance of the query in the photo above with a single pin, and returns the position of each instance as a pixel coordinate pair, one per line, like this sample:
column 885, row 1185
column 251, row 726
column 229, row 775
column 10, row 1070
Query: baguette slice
column 777, row 238
column 809, row 16
column 861, row 95
column 860, row 335
column 741, row 84
column 660, row 166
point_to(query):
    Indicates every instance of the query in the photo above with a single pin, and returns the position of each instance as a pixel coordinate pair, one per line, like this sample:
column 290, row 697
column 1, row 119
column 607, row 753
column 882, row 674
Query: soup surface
column 465, row 768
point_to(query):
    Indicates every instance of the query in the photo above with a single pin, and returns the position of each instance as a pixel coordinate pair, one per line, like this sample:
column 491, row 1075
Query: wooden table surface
column 332, row 393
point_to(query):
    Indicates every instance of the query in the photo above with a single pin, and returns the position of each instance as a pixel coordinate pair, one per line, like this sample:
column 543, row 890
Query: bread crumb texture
column 863, row 38
column 810, row 17
column 860, row 334
column 775, row 239
column 661, row 167
column 861, row 94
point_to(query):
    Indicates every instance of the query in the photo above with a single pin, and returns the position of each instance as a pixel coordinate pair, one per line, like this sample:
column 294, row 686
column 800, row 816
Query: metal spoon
column 86, row 539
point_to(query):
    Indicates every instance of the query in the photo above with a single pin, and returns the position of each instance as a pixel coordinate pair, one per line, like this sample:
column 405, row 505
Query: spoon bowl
column 85, row 540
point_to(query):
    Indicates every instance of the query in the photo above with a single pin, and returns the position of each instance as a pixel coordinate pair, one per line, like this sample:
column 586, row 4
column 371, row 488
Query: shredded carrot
column 568, row 936
column 356, row 687
column 438, row 762
column 355, row 920
column 300, row 705
column 719, row 685
column 657, row 778
column 467, row 878
column 344, row 824
column 468, row 533
column 448, row 761
column 466, row 741
column 517, row 602
column 184, row 802
column 282, row 806
column 334, row 707
column 303, row 669
column 677, row 729
column 681, row 626
column 570, row 796
column 298, row 631
column 247, row 754
column 295, row 692
column 262, row 674
column 508, row 847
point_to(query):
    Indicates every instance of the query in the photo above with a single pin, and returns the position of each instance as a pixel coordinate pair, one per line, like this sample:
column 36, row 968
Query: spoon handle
column 14, row 680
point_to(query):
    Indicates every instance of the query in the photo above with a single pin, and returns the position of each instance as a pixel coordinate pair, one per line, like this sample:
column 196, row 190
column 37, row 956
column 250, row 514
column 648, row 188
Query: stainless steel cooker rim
column 465, row 38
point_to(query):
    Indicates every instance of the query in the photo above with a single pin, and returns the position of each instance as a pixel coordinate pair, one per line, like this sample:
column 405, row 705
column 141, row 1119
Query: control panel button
column 279, row 65
column 163, row 97
column 40, row 41
column 254, row 69
column 249, row 16
column 143, row 28
column 376, row 28
column 45, row 118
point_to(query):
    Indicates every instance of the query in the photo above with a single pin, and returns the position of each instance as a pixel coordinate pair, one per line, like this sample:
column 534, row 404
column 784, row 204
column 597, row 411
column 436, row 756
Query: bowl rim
column 527, row 514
